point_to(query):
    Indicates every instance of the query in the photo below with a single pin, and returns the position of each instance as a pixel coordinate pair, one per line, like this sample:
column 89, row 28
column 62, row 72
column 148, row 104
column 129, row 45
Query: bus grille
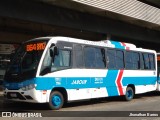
column 17, row 95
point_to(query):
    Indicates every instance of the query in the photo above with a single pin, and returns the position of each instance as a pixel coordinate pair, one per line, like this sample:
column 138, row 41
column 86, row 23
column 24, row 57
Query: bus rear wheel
column 56, row 100
column 129, row 94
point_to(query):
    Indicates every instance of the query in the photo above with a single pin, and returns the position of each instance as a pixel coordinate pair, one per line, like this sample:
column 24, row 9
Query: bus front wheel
column 56, row 100
column 129, row 94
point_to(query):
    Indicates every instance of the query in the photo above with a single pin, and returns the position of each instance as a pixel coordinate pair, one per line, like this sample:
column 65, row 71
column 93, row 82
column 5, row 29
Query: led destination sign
column 35, row 46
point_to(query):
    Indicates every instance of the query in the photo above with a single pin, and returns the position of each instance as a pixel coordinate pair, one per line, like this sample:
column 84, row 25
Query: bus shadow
column 148, row 94
column 24, row 106
column 110, row 99
column 94, row 101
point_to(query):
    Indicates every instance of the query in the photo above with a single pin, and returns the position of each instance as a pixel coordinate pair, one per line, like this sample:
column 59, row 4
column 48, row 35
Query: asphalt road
column 142, row 107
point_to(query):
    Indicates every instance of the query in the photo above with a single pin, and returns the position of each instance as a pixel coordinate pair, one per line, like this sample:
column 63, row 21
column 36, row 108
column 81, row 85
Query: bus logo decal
column 79, row 82
column 58, row 81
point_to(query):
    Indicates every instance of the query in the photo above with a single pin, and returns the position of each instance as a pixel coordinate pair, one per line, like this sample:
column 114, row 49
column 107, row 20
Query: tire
column 56, row 100
column 129, row 94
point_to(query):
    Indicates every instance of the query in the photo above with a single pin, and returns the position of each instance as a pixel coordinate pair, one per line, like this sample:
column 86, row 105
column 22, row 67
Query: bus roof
column 103, row 43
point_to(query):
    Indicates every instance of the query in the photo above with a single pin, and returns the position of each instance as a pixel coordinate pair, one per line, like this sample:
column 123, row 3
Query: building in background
column 5, row 51
column 132, row 21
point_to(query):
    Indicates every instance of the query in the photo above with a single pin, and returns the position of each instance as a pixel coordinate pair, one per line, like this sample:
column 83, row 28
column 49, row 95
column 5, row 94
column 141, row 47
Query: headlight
column 31, row 86
column 28, row 87
column 23, row 88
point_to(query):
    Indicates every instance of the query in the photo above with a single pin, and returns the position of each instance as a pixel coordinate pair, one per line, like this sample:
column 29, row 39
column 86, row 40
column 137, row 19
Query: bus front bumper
column 33, row 95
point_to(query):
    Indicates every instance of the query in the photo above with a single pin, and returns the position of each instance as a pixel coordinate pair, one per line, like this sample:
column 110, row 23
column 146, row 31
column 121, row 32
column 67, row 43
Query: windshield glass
column 26, row 59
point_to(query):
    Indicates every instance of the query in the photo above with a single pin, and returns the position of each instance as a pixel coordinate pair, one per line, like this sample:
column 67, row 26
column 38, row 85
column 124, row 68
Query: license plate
column 13, row 95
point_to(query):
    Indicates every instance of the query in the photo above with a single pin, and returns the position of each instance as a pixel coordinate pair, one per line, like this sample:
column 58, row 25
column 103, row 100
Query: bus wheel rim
column 129, row 94
column 56, row 100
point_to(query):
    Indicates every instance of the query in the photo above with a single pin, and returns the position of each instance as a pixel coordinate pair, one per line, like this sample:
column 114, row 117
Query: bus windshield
column 25, row 61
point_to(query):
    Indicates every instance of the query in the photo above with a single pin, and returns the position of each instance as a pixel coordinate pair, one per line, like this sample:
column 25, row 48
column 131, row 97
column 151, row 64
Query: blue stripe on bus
column 117, row 45
column 139, row 80
column 108, row 82
column 18, row 85
column 111, row 82
column 48, row 83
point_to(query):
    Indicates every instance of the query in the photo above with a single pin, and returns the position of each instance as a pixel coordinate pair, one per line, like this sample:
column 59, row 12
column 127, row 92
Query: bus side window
column 146, row 61
column 152, row 63
column 136, row 60
column 78, row 56
column 119, row 59
column 100, row 58
column 141, row 62
column 89, row 57
column 129, row 60
column 132, row 60
column 63, row 59
column 94, row 57
column 110, row 56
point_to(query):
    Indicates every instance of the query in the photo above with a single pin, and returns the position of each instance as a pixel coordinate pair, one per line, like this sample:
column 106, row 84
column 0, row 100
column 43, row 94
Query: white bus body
column 69, row 69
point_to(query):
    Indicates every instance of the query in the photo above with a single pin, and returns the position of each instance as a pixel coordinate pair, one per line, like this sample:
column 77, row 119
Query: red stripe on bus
column 127, row 48
column 119, row 79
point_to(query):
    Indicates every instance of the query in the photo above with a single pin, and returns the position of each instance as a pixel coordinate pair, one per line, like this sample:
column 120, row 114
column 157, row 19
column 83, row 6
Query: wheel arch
column 61, row 90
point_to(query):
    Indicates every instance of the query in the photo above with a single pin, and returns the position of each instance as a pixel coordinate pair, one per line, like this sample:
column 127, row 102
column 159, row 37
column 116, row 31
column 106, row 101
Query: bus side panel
column 144, row 81
column 95, row 83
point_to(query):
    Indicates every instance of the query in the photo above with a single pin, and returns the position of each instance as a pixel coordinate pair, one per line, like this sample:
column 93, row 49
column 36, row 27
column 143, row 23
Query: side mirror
column 53, row 51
